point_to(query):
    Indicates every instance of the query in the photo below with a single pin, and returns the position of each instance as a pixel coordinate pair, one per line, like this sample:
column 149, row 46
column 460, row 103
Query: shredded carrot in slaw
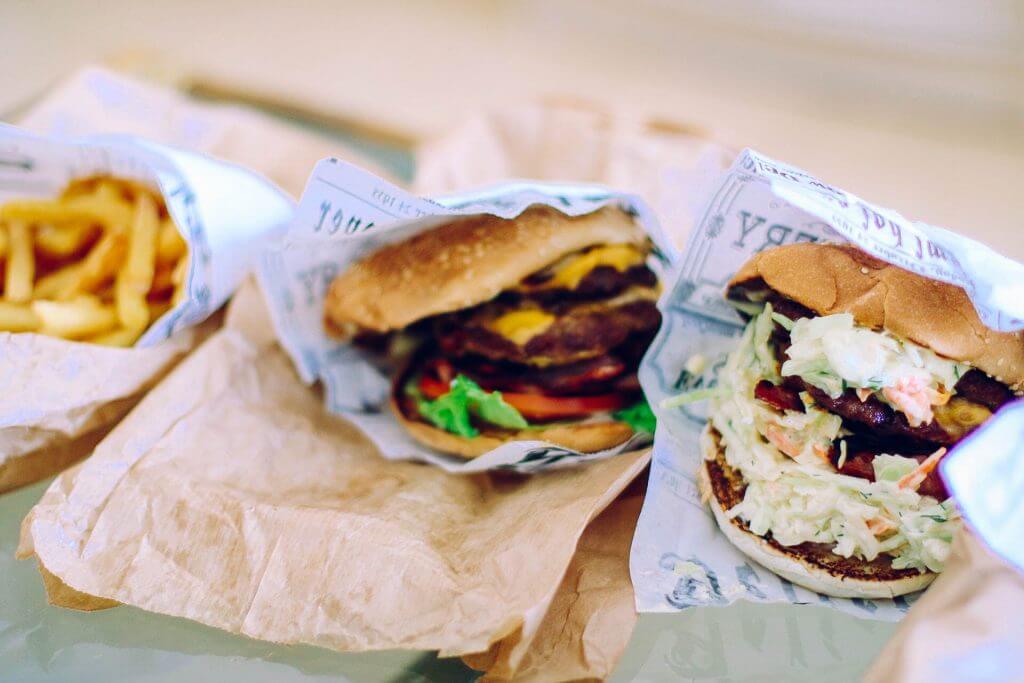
column 914, row 479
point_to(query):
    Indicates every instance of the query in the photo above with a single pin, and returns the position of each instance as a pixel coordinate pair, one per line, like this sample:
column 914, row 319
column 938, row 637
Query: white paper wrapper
column 70, row 392
column 968, row 626
column 679, row 557
column 225, row 213
column 346, row 213
column 985, row 475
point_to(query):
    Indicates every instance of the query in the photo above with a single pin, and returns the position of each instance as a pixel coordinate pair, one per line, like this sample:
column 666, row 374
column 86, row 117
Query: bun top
column 461, row 264
column 833, row 278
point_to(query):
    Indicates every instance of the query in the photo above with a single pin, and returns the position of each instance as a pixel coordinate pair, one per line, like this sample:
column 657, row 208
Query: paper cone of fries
column 114, row 251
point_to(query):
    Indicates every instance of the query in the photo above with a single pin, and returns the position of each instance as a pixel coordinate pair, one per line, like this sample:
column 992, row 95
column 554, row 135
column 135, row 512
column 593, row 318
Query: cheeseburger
column 852, row 379
column 500, row 330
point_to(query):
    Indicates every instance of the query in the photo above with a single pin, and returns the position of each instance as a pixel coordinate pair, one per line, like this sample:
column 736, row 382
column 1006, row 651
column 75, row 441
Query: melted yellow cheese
column 619, row 256
column 522, row 325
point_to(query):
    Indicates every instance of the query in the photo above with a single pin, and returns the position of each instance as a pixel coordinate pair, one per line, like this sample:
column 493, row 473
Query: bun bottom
column 586, row 438
column 811, row 565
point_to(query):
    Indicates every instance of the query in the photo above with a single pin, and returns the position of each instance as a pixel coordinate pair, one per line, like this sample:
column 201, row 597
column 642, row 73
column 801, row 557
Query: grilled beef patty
column 578, row 333
column 603, row 282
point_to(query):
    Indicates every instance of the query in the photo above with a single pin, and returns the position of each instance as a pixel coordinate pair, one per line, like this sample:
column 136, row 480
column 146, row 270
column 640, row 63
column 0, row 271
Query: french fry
column 18, row 318
column 123, row 336
column 115, row 214
column 60, row 283
column 100, row 265
column 120, row 262
column 171, row 245
column 62, row 241
column 178, row 276
column 21, row 263
column 119, row 337
column 136, row 275
column 163, row 282
column 158, row 308
column 109, row 190
column 82, row 317
column 80, row 186
column 106, row 293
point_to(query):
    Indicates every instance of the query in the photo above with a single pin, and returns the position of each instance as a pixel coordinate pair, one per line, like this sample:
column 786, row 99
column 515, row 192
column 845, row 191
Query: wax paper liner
column 346, row 213
column 679, row 557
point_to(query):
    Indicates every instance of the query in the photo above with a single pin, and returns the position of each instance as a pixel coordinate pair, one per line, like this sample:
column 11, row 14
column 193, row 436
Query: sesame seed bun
column 811, row 565
column 461, row 264
column 833, row 278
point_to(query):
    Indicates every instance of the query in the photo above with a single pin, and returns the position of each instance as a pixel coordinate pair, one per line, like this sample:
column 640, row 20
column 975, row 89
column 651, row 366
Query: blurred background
column 917, row 105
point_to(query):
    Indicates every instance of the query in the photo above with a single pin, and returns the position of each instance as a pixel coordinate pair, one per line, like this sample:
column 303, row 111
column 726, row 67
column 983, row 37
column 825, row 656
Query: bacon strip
column 778, row 397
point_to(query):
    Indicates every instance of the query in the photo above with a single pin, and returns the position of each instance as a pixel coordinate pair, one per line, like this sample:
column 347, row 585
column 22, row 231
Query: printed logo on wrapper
column 344, row 214
column 679, row 556
column 224, row 212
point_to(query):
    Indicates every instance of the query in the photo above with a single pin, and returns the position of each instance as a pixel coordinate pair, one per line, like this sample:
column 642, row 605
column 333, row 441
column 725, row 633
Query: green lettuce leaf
column 451, row 411
column 639, row 416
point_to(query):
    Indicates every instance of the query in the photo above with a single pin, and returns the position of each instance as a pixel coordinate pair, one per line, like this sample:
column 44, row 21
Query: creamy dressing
column 800, row 497
column 833, row 354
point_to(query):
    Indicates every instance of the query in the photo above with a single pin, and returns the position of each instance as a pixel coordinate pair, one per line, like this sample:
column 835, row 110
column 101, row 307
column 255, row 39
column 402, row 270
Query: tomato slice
column 538, row 406
column 541, row 407
column 433, row 388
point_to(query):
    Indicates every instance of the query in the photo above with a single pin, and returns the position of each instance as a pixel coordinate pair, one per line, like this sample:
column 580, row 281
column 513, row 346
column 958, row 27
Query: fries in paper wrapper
column 765, row 208
column 105, row 243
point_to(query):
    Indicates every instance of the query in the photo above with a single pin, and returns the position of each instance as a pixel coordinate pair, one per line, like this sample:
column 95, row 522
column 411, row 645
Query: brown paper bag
column 68, row 396
column 95, row 100
column 591, row 619
column 230, row 497
column 593, row 615
column 670, row 165
column 967, row 626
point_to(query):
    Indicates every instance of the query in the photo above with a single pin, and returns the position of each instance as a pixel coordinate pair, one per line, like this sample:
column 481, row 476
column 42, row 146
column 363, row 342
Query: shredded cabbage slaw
column 793, row 490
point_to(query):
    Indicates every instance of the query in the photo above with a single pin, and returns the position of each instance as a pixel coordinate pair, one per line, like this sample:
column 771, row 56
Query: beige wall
column 917, row 104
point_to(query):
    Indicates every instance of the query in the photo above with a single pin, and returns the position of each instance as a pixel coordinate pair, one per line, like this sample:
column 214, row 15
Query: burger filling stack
column 500, row 330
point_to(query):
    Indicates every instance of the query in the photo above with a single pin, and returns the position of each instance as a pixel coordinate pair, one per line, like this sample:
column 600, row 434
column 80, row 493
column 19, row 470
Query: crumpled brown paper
column 670, row 165
column 62, row 397
column 591, row 619
column 228, row 496
column 70, row 394
column 95, row 100
column 593, row 615
column 967, row 626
